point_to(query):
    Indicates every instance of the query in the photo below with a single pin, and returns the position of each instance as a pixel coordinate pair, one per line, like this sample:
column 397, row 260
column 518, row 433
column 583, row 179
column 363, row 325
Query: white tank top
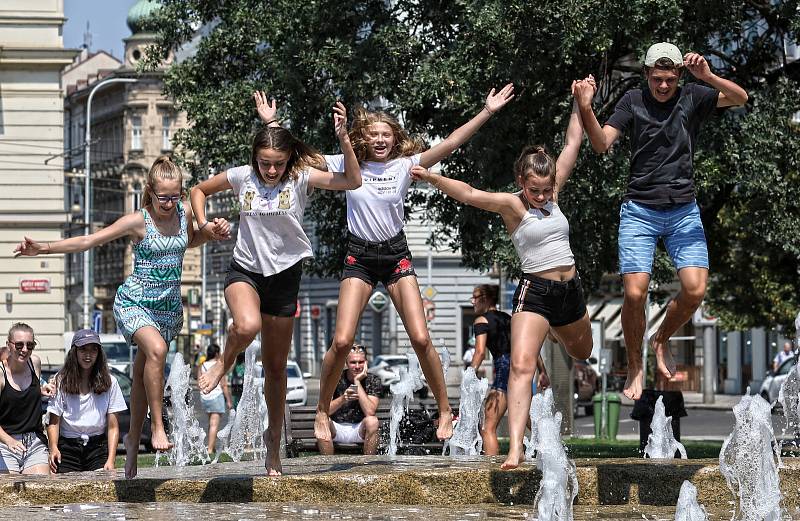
column 542, row 241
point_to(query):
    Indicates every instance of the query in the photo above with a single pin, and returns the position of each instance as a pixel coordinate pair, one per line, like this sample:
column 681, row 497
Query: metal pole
column 709, row 362
column 203, row 284
column 87, row 206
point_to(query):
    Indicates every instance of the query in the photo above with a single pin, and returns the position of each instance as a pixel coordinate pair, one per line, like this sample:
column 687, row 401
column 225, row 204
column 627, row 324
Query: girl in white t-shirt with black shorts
column 377, row 250
column 264, row 276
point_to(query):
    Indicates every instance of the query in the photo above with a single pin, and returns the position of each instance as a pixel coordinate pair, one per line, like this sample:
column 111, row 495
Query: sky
column 106, row 23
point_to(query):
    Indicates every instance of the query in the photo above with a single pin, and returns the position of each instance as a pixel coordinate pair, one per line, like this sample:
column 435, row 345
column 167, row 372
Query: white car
column 773, row 381
column 296, row 389
column 388, row 367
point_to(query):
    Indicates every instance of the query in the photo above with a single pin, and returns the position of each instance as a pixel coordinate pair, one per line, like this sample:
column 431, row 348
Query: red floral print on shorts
column 403, row 266
column 350, row 260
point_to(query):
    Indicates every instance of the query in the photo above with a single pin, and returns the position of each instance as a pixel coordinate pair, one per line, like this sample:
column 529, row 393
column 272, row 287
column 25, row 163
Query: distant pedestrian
column 23, row 446
column 218, row 401
column 83, row 429
column 782, row 356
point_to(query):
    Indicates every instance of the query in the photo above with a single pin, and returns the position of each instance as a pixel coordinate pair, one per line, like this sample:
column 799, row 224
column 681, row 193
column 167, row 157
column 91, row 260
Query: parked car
column 774, row 379
column 388, row 367
column 296, row 389
column 123, row 417
column 586, row 385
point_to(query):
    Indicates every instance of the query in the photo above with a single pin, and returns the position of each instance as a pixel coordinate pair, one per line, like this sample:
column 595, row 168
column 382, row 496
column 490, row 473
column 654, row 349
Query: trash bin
column 644, row 408
column 612, row 414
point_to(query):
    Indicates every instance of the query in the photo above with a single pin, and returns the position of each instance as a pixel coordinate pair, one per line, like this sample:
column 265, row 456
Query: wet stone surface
column 307, row 511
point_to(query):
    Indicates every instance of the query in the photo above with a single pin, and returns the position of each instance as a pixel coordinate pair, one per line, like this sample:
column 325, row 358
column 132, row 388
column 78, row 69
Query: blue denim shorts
column 640, row 227
column 502, row 366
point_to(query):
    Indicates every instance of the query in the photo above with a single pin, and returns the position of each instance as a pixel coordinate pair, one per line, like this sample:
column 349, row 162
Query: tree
column 435, row 61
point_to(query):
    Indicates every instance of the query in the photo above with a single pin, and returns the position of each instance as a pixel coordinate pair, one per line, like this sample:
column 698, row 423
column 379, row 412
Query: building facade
column 32, row 56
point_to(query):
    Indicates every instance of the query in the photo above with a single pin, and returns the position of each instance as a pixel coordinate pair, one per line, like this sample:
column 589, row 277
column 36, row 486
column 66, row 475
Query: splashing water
column 188, row 438
column 402, row 393
column 542, row 405
column 466, row 440
column 749, row 460
column 789, row 398
column 246, row 425
column 661, row 443
column 444, row 357
column 559, row 484
column 688, row 509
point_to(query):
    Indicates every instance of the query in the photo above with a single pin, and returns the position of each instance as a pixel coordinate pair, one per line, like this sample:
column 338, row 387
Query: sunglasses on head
column 357, row 348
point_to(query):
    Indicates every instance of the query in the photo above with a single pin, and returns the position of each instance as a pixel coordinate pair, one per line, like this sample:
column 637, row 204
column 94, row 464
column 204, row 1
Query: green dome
column 139, row 14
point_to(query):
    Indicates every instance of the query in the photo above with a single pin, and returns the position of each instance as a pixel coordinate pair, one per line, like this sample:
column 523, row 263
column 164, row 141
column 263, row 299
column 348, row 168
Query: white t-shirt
column 216, row 391
column 84, row 415
column 271, row 236
column 375, row 209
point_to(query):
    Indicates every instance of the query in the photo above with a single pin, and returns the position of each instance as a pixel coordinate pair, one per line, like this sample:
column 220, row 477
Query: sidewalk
column 722, row 402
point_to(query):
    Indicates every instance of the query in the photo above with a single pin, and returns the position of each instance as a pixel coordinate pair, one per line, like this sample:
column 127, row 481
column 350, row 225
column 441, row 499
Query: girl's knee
column 246, row 327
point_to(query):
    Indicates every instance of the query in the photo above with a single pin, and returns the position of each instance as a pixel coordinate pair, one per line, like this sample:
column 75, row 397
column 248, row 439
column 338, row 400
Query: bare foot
column 322, row 429
column 273, row 461
column 633, row 385
column 664, row 362
column 209, row 380
column 514, row 459
column 159, row 440
column 445, row 430
column 131, row 456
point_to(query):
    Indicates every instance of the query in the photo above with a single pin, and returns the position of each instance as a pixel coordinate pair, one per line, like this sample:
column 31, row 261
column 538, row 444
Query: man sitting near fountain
column 355, row 402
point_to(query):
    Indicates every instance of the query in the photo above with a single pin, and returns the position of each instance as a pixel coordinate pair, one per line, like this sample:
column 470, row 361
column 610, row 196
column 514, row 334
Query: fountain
column 402, row 393
column 188, row 438
column 749, row 461
column 661, row 443
column 559, row 484
column 466, row 440
column 542, row 405
column 789, row 398
column 688, row 509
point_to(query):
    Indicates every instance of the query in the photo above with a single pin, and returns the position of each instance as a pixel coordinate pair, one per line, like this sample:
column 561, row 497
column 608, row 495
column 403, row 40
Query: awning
column 655, row 314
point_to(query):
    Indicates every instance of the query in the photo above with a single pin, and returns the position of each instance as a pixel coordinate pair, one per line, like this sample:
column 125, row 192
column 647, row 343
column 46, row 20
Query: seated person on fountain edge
column 355, row 402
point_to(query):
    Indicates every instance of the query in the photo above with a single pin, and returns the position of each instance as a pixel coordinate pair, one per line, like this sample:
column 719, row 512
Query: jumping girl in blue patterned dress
column 148, row 306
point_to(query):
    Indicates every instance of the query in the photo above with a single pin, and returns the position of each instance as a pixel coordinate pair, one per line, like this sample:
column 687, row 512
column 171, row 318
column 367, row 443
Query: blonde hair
column 404, row 145
column 19, row 326
column 535, row 161
column 163, row 168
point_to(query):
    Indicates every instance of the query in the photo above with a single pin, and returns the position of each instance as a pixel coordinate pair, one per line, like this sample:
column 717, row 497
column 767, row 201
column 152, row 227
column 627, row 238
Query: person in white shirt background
column 218, row 401
column 782, row 356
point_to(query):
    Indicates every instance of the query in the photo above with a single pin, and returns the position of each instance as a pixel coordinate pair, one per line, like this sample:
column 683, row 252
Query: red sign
column 316, row 311
column 34, row 285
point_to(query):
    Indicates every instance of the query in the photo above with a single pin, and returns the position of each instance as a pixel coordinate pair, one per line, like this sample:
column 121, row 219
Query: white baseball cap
column 663, row 50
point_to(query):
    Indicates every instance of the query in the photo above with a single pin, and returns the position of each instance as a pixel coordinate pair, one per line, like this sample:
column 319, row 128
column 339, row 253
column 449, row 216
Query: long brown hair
column 301, row 156
column 535, row 161
column 490, row 292
column 359, row 135
column 69, row 377
column 163, row 168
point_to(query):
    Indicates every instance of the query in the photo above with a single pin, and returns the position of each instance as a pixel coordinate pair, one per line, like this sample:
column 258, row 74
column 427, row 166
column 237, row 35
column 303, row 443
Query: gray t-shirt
column 271, row 236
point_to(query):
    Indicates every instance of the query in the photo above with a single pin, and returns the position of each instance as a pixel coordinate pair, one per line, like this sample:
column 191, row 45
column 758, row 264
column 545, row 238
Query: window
column 166, row 144
column 136, row 196
column 136, row 133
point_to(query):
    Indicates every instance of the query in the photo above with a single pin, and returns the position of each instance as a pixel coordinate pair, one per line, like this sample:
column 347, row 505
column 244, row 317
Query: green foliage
column 435, row 61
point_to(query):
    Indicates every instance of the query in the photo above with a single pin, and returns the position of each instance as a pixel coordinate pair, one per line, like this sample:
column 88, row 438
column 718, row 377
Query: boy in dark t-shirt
column 663, row 122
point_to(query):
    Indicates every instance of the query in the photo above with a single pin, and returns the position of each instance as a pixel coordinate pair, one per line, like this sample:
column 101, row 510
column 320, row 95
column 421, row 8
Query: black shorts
column 373, row 262
column 277, row 293
column 77, row 457
column 561, row 303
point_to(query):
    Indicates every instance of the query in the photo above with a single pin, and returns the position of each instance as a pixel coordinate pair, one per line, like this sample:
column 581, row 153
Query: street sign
column 34, row 285
column 79, row 300
column 605, row 361
column 316, row 311
column 429, row 292
column 378, row 302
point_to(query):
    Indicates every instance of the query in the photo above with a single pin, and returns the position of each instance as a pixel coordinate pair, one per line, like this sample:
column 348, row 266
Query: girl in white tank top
column 540, row 233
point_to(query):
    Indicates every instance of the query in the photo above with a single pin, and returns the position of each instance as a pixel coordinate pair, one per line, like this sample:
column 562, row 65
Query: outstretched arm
column 352, row 170
column 124, row 226
column 494, row 102
column 730, row 94
column 267, row 111
column 601, row 137
column 498, row 202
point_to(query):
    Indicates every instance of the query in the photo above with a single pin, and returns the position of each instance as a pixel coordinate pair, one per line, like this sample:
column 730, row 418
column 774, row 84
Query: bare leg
column 326, row 447
column 154, row 350
column 369, row 432
column 43, row 470
column 353, row 296
column 528, row 331
column 138, row 412
column 244, row 304
column 633, row 326
column 495, row 408
column 679, row 310
column 213, row 428
column 408, row 302
column 576, row 338
column 276, row 335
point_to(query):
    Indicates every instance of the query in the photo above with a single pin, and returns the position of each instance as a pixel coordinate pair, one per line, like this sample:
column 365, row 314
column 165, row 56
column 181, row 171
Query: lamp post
column 87, row 283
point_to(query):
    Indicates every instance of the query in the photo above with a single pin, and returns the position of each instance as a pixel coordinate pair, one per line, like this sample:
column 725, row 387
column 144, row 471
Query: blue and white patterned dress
column 151, row 295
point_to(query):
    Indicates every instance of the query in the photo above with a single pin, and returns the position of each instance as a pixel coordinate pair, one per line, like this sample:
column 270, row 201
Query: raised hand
column 420, row 173
column 583, row 92
column 496, row 101
column 29, row 248
column 340, row 120
column 266, row 111
column 697, row 65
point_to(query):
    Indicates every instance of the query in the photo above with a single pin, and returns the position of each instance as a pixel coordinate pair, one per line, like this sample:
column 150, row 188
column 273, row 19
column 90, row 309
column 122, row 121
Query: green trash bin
column 612, row 414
